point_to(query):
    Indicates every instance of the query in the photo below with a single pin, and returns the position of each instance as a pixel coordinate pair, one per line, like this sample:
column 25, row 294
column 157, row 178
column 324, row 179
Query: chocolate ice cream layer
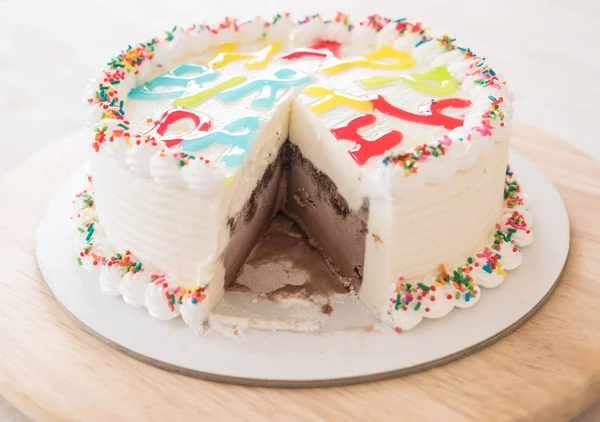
column 293, row 185
column 315, row 204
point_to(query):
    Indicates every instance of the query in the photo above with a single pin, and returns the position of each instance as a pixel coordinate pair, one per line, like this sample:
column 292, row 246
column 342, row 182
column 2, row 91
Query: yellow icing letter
column 331, row 98
column 192, row 98
column 255, row 60
column 385, row 57
column 437, row 81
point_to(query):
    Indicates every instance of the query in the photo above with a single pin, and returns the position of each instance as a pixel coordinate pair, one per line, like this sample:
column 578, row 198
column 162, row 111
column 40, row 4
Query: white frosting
column 90, row 247
column 406, row 320
column 85, row 262
column 166, row 170
column 523, row 238
column 83, row 214
column 388, row 35
column 110, row 279
column 133, row 288
column 406, row 42
column 206, row 179
column 438, row 301
column 524, row 211
column 157, row 303
column 195, row 315
column 427, row 52
column 138, row 158
column 489, row 280
column 436, row 304
column 522, row 235
column 207, row 271
column 317, row 29
column 511, row 256
column 463, row 303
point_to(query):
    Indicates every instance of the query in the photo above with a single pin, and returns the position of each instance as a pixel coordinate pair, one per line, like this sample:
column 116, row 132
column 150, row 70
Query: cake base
column 371, row 350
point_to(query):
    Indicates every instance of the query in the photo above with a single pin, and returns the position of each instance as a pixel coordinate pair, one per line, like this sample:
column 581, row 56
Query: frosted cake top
column 390, row 105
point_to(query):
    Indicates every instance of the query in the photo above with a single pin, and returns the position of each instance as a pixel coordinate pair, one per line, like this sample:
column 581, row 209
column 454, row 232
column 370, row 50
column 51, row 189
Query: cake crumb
column 377, row 239
column 327, row 309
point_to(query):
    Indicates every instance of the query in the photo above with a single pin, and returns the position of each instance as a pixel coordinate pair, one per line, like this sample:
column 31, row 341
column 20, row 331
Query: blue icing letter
column 284, row 78
column 236, row 135
column 182, row 76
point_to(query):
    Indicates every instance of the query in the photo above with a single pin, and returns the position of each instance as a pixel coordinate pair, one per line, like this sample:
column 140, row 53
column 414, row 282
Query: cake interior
column 292, row 188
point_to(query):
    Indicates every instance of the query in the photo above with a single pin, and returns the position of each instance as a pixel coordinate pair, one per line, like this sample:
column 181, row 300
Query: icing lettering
column 316, row 50
column 237, row 135
column 201, row 124
column 384, row 57
column 332, row 98
column 332, row 46
column 366, row 148
column 437, row 81
column 429, row 114
column 192, row 98
column 256, row 60
column 182, row 77
column 268, row 88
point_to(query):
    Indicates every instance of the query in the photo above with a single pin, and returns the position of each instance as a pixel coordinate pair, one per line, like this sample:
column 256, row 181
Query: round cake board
column 354, row 348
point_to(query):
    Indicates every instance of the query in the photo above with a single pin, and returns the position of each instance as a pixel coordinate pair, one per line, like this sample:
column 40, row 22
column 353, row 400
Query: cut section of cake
column 387, row 147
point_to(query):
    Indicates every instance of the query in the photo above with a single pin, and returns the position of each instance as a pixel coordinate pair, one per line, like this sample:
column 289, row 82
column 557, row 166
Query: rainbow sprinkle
column 409, row 160
column 376, row 22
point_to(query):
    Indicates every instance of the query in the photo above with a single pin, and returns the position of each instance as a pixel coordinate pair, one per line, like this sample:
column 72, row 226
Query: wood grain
column 548, row 370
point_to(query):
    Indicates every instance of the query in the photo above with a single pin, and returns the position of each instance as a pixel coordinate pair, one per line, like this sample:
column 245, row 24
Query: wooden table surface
column 548, row 370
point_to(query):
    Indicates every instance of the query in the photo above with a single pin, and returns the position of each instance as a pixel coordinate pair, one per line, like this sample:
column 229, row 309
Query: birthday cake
column 387, row 146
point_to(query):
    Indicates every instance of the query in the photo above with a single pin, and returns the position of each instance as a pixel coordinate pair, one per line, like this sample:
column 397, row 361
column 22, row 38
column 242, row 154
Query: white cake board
column 298, row 359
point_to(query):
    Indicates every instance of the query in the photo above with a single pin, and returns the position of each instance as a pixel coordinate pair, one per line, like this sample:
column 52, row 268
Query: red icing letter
column 201, row 124
column 332, row 46
column 432, row 113
column 315, row 50
column 366, row 148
